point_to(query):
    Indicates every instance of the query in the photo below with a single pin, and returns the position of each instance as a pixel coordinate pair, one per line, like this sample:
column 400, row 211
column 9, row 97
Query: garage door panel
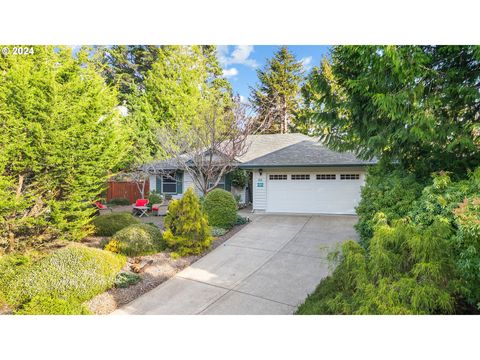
column 313, row 196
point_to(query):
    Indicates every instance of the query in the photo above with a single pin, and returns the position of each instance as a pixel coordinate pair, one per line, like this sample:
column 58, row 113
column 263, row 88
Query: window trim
column 277, row 177
column 221, row 183
column 300, row 177
column 350, row 176
column 171, row 181
column 326, row 177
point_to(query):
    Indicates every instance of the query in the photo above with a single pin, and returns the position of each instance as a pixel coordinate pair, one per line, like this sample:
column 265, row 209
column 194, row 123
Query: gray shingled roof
column 260, row 145
column 308, row 151
column 283, row 150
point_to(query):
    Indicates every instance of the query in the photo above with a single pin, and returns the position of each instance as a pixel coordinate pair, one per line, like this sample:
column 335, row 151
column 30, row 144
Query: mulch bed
column 161, row 267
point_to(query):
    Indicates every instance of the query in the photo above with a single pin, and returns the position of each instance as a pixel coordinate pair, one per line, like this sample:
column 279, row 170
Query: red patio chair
column 140, row 207
column 101, row 206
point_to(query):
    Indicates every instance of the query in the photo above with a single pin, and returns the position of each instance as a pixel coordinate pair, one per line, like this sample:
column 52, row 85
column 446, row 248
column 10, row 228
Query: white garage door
column 323, row 193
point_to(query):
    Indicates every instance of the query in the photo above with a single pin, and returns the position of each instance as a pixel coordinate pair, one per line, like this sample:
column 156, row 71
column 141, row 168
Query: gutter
column 256, row 166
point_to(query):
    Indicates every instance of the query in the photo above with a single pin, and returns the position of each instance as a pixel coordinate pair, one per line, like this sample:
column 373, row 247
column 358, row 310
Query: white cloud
column 243, row 100
column 239, row 55
column 306, row 62
column 230, row 72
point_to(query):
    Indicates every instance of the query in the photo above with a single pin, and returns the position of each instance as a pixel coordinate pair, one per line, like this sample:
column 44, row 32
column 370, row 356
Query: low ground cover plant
column 137, row 239
column 126, row 279
column 46, row 305
column 187, row 230
column 75, row 273
column 221, row 208
column 109, row 224
column 217, row 231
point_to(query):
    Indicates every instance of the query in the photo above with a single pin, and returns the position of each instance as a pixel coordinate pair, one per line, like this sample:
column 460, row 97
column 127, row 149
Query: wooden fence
column 125, row 190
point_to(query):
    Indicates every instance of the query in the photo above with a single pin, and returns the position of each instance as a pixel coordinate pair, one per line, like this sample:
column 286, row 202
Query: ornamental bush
column 109, row 224
column 239, row 178
column 137, row 239
column 408, row 270
column 221, row 208
column 74, row 273
column 46, row 305
column 154, row 198
column 187, row 231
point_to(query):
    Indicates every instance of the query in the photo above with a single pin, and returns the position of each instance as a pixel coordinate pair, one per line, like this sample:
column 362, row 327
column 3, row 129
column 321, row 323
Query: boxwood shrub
column 109, row 224
column 221, row 208
column 46, row 305
column 137, row 239
column 75, row 273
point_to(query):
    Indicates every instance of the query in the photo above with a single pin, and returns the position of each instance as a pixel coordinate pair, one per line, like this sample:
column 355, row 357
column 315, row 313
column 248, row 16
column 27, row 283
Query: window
column 349, row 176
column 301, row 177
column 169, row 184
column 278, row 177
column 326, row 177
column 220, row 185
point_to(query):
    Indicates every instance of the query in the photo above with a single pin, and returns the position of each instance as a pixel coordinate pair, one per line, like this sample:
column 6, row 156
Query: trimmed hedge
column 46, row 305
column 137, row 239
column 221, row 209
column 109, row 224
column 75, row 273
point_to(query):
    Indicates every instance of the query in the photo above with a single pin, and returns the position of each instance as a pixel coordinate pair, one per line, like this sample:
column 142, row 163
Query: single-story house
column 288, row 173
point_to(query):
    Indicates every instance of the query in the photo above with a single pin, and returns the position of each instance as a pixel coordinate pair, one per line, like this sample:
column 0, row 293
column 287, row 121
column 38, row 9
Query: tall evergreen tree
column 418, row 106
column 61, row 137
column 181, row 85
column 125, row 66
column 276, row 98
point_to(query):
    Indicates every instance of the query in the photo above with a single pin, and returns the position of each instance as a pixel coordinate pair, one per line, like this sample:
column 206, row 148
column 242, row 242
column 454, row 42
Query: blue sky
column 239, row 62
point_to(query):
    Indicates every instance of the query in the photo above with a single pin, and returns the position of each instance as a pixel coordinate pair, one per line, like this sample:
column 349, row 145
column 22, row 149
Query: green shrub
column 46, row 305
column 221, row 208
column 391, row 192
column 216, row 231
column 109, row 224
column 187, row 231
column 154, row 198
column 408, row 270
column 10, row 266
column 239, row 178
column 424, row 263
column 138, row 239
column 126, row 279
column 241, row 220
column 119, row 201
column 74, row 273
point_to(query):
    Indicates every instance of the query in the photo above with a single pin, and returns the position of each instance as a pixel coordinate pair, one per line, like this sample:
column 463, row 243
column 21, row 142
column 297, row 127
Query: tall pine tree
column 276, row 98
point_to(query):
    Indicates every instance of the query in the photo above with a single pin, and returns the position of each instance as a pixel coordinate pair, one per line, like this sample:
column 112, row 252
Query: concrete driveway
column 269, row 267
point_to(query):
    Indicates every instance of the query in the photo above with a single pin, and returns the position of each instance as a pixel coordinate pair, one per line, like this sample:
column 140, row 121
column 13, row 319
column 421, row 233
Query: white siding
column 188, row 182
column 259, row 192
column 239, row 191
column 153, row 183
